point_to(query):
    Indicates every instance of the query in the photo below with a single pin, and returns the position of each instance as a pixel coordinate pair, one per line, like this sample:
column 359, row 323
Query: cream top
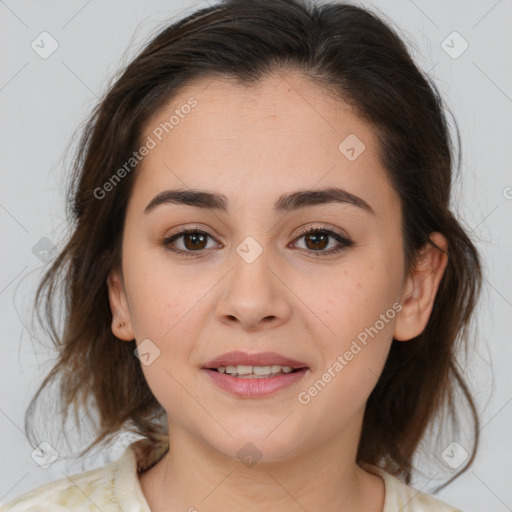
column 116, row 488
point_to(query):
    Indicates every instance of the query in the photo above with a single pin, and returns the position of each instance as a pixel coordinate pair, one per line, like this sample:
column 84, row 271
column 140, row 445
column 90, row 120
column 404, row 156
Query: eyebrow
column 285, row 203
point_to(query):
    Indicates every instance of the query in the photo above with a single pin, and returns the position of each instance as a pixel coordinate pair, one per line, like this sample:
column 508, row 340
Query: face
column 254, row 277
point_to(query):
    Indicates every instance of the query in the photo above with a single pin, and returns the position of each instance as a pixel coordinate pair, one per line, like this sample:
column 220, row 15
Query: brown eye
column 317, row 239
column 190, row 241
column 194, row 240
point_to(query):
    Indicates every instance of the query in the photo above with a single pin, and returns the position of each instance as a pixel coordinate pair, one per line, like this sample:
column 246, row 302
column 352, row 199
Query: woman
column 265, row 281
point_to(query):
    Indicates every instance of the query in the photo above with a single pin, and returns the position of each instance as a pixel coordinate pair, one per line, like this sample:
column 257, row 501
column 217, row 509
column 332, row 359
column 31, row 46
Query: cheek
column 162, row 299
column 360, row 308
column 353, row 299
column 164, row 308
column 357, row 307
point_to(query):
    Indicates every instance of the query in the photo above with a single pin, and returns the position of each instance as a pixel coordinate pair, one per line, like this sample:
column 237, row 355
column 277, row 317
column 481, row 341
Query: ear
column 421, row 288
column 121, row 318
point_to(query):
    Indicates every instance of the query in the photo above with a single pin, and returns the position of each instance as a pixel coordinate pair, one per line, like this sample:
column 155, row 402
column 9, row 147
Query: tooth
column 258, row 371
column 243, row 369
column 264, row 370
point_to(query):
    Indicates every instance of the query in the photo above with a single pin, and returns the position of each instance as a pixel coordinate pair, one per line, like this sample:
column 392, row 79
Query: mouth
column 254, row 375
column 247, row 381
column 261, row 363
column 255, row 372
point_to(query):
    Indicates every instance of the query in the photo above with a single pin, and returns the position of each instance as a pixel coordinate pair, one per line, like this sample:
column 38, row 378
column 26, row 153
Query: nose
column 254, row 296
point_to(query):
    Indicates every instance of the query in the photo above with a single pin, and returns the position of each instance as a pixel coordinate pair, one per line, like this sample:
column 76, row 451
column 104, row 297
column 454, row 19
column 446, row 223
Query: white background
column 43, row 101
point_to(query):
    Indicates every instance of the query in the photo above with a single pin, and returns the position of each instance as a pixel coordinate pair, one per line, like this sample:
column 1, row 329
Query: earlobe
column 421, row 289
column 121, row 319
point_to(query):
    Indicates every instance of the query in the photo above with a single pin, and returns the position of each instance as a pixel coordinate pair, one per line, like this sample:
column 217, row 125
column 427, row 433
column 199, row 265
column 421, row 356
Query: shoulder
column 76, row 492
column 107, row 489
column 400, row 496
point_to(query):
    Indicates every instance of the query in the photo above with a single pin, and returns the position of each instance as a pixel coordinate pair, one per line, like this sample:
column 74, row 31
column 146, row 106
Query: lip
column 256, row 359
column 254, row 388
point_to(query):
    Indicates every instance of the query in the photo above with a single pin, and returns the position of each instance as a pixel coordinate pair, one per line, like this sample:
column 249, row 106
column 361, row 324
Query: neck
column 195, row 476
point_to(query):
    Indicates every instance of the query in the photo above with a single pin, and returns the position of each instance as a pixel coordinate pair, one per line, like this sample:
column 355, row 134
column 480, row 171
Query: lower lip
column 256, row 387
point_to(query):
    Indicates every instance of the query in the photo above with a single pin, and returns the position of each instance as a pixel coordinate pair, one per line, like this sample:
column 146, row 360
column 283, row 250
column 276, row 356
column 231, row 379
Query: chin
column 250, row 447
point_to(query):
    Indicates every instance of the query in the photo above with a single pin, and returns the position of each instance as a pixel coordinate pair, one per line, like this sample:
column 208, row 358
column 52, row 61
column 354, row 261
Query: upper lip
column 257, row 359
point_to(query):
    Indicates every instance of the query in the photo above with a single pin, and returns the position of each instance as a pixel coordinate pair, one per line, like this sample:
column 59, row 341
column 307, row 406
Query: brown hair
column 358, row 57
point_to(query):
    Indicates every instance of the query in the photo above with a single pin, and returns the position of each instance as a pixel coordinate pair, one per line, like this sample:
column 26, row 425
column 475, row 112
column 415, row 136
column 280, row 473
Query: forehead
column 280, row 134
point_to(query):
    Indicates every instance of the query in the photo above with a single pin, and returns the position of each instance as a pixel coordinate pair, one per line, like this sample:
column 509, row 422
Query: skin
column 253, row 144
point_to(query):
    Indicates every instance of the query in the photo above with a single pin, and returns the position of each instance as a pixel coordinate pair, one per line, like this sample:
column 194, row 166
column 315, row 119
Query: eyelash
column 345, row 242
